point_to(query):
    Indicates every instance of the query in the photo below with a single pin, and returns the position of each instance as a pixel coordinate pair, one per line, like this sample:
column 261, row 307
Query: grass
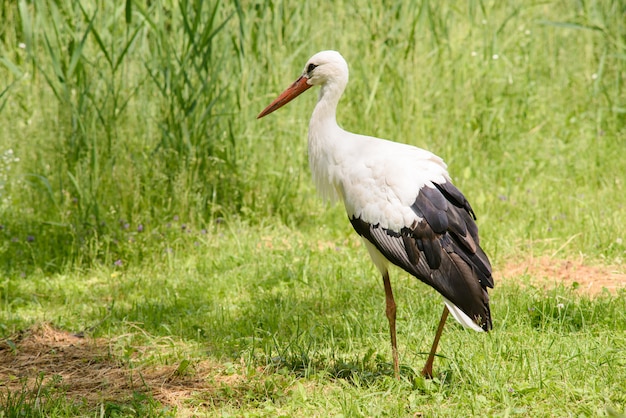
column 299, row 326
column 142, row 203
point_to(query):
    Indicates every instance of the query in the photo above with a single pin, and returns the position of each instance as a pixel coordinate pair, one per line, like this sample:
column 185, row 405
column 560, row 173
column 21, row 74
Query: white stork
column 400, row 200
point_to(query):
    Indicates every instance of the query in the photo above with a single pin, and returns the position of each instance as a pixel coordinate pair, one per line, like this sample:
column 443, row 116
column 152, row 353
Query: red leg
column 391, row 316
column 427, row 371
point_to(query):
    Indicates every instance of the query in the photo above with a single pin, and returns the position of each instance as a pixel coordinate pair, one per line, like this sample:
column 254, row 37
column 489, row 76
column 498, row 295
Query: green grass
column 313, row 321
column 142, row 202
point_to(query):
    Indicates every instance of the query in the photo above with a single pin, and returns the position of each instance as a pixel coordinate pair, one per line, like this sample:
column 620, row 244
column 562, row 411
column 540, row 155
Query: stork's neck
column 326, row 109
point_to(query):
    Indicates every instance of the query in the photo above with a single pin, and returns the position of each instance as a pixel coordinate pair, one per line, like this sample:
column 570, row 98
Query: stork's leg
column 427, row 371
column 391, row 316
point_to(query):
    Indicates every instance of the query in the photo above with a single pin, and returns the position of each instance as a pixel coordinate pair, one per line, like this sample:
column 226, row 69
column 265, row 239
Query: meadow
column 164, row 253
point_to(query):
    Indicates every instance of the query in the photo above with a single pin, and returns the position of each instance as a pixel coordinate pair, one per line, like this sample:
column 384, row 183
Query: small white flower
column 619, row 241
column 474, row 53
column 495, row 56
column 594, row 76
column 560, row 306
column 21, row 45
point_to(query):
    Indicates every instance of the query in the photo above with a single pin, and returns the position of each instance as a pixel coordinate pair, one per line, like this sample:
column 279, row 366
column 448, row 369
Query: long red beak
column 297, row 88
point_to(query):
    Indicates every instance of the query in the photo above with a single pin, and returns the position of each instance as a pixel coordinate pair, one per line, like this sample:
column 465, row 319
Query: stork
column 401, row 201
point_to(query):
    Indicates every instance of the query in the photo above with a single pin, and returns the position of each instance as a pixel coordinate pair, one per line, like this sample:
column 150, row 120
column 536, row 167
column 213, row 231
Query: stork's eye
column 310, row 67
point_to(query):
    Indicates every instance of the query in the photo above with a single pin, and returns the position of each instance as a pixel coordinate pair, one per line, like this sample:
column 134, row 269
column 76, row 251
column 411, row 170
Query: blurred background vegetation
column 120, row 119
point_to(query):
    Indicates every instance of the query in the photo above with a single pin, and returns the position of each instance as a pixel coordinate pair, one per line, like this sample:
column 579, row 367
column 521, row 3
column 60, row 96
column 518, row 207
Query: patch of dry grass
column 86, row 370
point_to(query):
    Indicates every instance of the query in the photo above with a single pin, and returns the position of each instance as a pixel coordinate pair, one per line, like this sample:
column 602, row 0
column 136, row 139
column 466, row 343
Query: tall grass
column 132, row 121
column 125, row 115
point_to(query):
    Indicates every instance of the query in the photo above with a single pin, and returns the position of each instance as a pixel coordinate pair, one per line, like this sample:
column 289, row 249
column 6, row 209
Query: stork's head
column 326, row 66
column 323, row 68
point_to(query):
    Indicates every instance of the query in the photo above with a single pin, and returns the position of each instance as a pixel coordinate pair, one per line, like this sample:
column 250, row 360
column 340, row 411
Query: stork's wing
column 441, row 249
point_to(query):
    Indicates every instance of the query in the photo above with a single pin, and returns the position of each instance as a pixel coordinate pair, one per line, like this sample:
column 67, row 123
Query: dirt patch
column 548, row 272
column 85, row 370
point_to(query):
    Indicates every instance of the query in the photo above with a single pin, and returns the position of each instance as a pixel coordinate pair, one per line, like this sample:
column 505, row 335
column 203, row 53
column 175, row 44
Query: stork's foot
column 396, row 367
column 427, row 371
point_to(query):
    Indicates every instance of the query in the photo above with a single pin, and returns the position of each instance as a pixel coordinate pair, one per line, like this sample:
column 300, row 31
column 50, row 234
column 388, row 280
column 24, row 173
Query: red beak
column 297, row 88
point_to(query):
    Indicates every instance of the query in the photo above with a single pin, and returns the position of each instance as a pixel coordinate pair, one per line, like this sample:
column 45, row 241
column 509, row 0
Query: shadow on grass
column 367, row 371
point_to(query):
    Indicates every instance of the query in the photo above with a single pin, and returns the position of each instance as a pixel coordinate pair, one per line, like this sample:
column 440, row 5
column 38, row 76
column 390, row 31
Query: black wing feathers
column 442, row 250
column 455, row 197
